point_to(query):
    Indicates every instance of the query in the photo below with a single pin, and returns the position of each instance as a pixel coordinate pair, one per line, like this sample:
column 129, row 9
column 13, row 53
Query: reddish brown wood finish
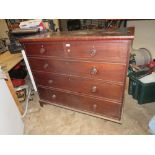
column 80, row 35
column 97, row 50
column 81, row 70
column 96, row 106
column 105, row 71
column 93, row 50
column 111, row 51
column 93, row 87
column 45, row 49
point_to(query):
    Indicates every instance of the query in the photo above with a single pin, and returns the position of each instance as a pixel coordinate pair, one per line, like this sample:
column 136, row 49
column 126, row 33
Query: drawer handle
column 50, row 81
column 93, row 52
column 93, row 71
column 94, row 89
column 54, row 96
column 42, row 50
column 46, row 66
column 94, row 106
column 68, row 50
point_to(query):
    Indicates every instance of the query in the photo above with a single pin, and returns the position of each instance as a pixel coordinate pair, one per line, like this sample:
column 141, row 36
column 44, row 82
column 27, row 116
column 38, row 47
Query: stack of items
column 18, row 74
column 142, row 82
column 26, row 28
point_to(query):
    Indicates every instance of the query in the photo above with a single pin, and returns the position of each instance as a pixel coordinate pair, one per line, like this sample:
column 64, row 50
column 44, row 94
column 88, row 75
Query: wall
column 144, row 34
column 3, row 29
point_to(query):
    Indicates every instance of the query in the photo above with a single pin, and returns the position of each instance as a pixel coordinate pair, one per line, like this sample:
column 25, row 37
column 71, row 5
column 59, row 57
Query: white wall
column 144, row 34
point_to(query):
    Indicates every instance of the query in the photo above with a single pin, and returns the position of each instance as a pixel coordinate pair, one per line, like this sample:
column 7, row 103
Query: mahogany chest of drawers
column 81, row 71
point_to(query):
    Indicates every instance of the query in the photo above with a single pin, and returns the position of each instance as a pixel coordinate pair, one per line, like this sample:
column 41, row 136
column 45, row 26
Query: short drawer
column 83, row 103
column 78, row 84
column 45, row 49
column 80, row 49
column 110, row 51
column 105, row 71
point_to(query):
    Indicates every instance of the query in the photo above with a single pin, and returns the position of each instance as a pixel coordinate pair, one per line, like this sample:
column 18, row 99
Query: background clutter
column 141, row 75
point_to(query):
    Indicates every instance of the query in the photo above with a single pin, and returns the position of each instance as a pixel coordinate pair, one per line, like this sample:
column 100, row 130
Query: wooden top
column 80, row 35
column 8, row 60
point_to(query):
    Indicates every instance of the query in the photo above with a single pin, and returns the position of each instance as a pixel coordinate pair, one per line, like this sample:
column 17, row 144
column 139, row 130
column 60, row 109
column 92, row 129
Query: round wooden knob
column 93, row 71
column 93, row 52
column 68, row 50
column 42, row 50
column 54, row 96
column 94, row 89
column 46, row 66
column 50, row 81
column 94, row 106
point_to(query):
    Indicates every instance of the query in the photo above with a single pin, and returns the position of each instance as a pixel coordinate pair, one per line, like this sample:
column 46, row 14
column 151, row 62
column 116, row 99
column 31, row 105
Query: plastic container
column 143, row 92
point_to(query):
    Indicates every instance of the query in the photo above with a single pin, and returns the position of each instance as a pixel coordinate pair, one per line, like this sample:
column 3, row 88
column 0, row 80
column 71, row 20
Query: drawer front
column 105, row 71
column 96, row 106
column 45, row 49
column 93, row 50
column 98, row 50
column 80, row 50
column 93, row 87
column 112, row 51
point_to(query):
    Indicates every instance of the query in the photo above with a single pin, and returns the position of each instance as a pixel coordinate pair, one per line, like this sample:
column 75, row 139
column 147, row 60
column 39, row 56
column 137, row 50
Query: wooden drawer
column 77, row 49
column 105, row 71
column 80, row 50
column 77, row 84
column 96, row 106
column 110, row 51
column 45, row 49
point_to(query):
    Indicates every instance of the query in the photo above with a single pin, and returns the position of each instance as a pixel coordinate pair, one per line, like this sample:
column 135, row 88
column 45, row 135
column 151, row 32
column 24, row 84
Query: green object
column 143, row 92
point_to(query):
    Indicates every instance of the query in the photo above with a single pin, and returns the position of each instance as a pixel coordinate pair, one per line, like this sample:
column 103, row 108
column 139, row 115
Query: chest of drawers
column 85, row 73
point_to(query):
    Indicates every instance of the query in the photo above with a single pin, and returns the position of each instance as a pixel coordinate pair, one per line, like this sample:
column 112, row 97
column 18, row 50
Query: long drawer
column 78, row 84
column 111, row 51
column 105, row 71
column 83, row 103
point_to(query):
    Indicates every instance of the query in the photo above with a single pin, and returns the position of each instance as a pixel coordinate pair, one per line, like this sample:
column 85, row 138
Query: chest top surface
column 81, row 35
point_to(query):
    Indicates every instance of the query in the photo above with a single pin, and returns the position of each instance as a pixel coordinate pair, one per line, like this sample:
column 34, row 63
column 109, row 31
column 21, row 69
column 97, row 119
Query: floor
column 58, row 121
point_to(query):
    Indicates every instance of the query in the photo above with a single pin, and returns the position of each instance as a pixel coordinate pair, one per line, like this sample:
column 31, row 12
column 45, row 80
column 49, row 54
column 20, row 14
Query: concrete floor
column 58, row 121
